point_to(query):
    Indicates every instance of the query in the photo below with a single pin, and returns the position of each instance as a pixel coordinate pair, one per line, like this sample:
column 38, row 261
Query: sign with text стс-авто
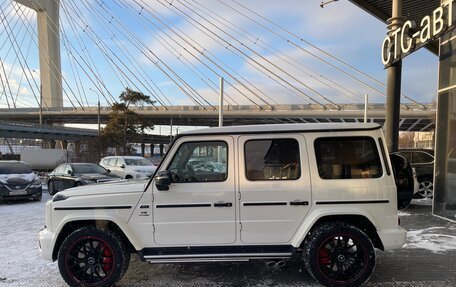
column 400, row 42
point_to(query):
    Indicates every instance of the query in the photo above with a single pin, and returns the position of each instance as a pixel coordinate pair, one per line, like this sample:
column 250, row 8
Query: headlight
column 59, row 197
column 36, row 183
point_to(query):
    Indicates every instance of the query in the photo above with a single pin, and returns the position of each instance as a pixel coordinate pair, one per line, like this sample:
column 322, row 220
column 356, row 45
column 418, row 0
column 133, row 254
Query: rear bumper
column 392, row 238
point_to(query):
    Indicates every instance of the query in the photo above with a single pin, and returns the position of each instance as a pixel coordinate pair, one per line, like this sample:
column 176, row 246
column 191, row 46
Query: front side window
column 272, row 159
column 347, row 158
column 200, row 162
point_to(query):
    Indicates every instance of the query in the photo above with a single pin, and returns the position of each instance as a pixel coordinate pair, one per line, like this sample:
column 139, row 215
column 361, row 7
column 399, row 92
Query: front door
column 199, row 207
column 274, row 186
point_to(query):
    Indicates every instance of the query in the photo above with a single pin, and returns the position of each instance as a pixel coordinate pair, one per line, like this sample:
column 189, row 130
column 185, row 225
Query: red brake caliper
column 323, row 257
column 107, row 260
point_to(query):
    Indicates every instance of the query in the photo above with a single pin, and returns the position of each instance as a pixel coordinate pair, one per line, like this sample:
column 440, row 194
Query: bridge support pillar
column 49, row 50
column 152, row 150
column 143, row 149
column 161, row 150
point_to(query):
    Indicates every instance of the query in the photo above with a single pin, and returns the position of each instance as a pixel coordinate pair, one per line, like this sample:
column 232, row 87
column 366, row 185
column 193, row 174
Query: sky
column 176, row 53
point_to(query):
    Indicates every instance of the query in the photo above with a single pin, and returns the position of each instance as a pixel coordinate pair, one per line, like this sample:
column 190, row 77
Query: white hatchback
column 128, row 167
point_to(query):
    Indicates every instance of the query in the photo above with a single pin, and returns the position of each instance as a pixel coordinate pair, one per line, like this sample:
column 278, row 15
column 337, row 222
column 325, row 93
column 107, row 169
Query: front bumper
column 31, row 192
column 393, row 238
column 45, row 239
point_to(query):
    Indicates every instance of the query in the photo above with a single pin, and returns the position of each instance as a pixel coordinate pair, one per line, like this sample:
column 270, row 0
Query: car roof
column 282, row 128
column 123, row 156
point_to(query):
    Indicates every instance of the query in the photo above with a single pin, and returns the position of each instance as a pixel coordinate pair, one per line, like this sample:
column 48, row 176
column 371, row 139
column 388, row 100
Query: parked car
column 128, row 167
column 76, row 174
column 405, row 178
column 423, row 162
column 18, row 181
column 325, row 192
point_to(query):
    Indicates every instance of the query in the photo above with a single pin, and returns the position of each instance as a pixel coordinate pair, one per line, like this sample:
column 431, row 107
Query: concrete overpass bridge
column 412, row 118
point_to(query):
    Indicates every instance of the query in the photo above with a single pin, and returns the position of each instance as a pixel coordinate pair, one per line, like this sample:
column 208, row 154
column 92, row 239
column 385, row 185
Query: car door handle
column 299, row 202
column 223, row 204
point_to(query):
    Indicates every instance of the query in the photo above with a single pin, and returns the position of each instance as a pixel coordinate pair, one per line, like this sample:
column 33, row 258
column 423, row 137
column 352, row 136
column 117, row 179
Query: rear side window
column 112, row 162
column 347, row 158
column 273, row 159
column 422, row 157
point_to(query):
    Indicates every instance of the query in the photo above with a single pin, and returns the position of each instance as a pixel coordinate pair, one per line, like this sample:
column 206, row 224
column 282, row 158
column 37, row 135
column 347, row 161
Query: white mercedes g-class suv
column 325, row 192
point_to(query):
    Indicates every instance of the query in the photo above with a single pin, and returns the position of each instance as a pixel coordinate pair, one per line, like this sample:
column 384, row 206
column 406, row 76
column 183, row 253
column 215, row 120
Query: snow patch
column 429, row 239
column 423, row 201
column 402, row 213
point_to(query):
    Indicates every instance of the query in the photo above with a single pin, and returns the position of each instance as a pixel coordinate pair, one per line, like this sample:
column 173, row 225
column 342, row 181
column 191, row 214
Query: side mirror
column 69, row 172
column 108, row 170
column 122, row 166
column 162, row 180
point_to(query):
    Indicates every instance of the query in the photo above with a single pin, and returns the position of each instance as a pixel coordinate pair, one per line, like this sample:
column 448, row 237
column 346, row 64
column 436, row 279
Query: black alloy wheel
column 92, row 257
column 339, row 254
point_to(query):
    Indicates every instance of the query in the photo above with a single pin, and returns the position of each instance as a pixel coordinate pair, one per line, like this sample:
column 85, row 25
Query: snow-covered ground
column 21, row 264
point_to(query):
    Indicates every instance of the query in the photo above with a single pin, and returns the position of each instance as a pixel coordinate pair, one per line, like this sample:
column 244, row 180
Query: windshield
column 137, row 161
column 89, row 168
column 14, row 168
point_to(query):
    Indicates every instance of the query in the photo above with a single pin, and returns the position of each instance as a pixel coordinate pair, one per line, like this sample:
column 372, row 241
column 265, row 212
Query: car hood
column 121, row 186
column 19, row 179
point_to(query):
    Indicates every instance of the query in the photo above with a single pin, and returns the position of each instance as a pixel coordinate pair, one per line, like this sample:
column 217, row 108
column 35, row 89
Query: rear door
column 199, row 207
column 274, row 187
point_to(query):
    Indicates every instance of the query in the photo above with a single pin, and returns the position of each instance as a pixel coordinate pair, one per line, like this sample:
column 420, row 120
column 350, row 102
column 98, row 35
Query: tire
column 339, row 246
column 92, row 257
column 51, row 188
column 426, row 188
column 128, row 177
column 38, row 198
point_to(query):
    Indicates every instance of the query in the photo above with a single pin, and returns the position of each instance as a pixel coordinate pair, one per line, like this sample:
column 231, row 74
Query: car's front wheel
column 339, row 254
column 92, row 257
column 51, row 188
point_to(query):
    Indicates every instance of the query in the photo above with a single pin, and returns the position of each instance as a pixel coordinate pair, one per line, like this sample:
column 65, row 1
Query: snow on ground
column 19, row 256
column 22, row 266
column 431, row 239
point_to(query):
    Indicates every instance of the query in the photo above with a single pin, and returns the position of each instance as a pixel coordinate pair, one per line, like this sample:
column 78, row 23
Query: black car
column 422, row 160
column 18, row 181
column 75, row 174
column 403, row 175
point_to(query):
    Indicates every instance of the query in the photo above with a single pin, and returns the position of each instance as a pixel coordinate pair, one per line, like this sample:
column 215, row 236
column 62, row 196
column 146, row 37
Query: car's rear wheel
column 128, row 177
column 51, row 188
column 339, row 254
column 426, row 188
column 92, row 257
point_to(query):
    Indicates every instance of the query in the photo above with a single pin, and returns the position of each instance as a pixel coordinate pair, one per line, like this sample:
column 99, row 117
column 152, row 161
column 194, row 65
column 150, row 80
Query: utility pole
column 221, row 103
column 99, row 112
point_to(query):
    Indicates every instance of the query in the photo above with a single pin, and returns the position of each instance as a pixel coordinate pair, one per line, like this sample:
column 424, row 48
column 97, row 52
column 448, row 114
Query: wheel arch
column 71, row 226
column 357, row 220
